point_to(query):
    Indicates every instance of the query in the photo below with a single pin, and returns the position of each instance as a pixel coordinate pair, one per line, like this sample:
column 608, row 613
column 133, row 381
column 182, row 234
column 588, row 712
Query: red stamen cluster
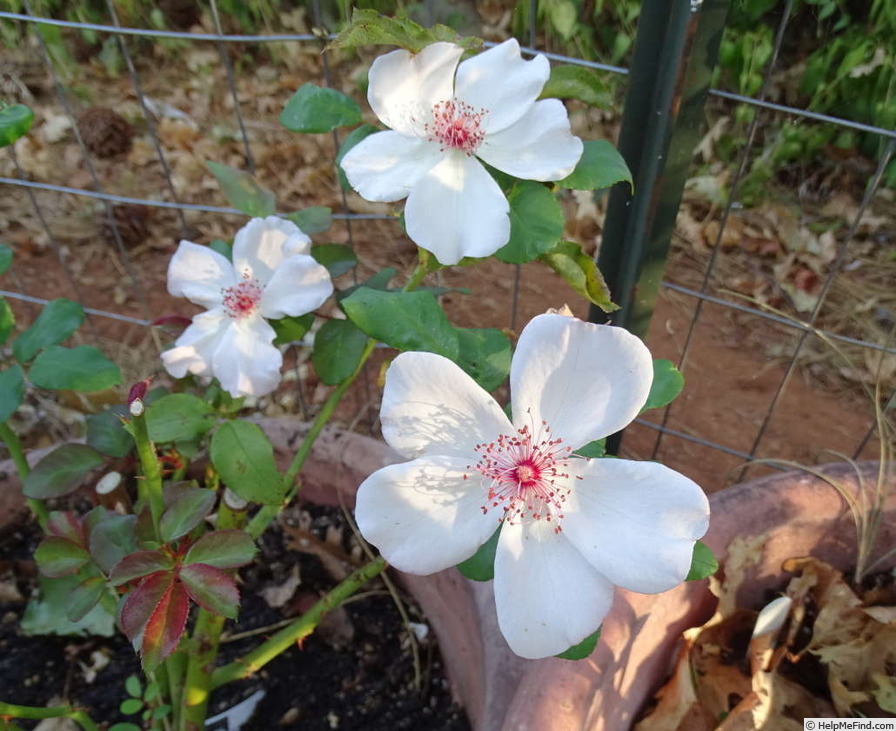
column 456, row 126
column 526, row 473
column 242, row 299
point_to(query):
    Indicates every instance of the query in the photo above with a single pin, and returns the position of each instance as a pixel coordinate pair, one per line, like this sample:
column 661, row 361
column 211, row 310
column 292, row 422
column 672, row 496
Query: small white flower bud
column 137, row 408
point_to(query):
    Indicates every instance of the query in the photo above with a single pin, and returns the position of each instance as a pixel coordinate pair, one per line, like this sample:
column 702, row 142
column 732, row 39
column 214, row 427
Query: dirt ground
column 735, row 364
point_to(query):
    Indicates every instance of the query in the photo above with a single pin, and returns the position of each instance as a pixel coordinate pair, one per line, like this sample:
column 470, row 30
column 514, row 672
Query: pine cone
column 105, row 133
column 180, row 14
column 132, row 222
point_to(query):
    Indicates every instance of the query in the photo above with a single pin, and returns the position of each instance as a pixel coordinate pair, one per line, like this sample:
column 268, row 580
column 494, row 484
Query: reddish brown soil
column 730, row 376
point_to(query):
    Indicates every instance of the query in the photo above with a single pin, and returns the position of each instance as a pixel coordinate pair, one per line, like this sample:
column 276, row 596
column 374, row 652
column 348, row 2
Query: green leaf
column 178, row 417
column 62, row 471
column 338, row 347
column 703, row 563
column 133, row 687
column 581, row 273
column 583, row 649
column 85, row 597
column 186, row 512
column 313, row 109
column 575, row 82
column 380, row 280
column 211, row 589
column 291, row 329
column 536, row 223
column 222, row 247
column 593, row 450
column 57, row 556
column 337, row 258
column 600, row 167
column 106, row 432
column 77, row 369
column 5, row 258
column 7, row 320
column 369, row 28
column 223, row 549
column 485, row 355
column 12, row 390
column 131, row 706
column 667, row 384
column 125, row 727
column 112, row 538
column 56, row 322
column 15, row 121
column 312, row 220
column 242, row 191
column 352, row 139
column 47, row 613
column 244, row 457
column 403, row 320
column 481, row 565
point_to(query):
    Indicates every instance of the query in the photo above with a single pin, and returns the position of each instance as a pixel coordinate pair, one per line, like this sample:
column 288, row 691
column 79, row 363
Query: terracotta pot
column 799, row 515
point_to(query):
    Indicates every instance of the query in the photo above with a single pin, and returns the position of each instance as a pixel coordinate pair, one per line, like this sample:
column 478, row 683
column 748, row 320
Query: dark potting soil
column 356, row 671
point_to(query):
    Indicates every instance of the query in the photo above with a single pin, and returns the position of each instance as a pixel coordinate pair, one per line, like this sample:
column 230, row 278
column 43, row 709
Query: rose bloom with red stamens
column 272, row 275
column 570, row 528
column 444, row 118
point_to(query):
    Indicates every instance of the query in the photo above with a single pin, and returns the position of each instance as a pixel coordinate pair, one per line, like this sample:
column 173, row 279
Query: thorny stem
column 206, row 638
column 298, row 630
column 14, row 445
column 10, row 710
column 150, row 486
column 192, row 704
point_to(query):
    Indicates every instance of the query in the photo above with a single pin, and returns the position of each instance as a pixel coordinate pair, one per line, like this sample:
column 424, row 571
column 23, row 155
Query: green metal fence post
column 675, row 52
column 676, row 48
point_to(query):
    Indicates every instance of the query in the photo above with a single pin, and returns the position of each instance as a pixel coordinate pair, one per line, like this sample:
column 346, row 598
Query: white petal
column 194, row 349
column 548, row 596
column 539, row 146
column 199, row 274
column 385, row 166
column 299, row 285
column 458, row 210
column 261, row 245
column 404, row 86
column 636, row 522
column 500, row 81
column 430, row 406
column 246, row 362
column 586, row 381
column 423, row 515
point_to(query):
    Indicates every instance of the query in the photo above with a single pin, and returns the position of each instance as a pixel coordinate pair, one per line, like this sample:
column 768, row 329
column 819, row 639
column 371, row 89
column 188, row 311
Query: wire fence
column 666, row 430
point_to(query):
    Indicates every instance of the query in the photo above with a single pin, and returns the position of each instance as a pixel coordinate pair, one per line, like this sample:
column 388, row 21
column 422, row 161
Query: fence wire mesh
column 695, row 303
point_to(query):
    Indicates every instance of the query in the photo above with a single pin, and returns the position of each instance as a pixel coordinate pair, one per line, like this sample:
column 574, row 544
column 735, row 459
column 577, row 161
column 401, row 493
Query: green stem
column 426, row 265
column 14, row 445
column 295, row 632
column 206, row 638
column 192, row 704
column 10, row 710
column 176, row 666
column 151, row 484
column 262, row 519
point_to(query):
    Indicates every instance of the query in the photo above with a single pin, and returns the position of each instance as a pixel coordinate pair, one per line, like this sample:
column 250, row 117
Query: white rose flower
column 444, row 119
column 572, row 528
column 272, row 275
